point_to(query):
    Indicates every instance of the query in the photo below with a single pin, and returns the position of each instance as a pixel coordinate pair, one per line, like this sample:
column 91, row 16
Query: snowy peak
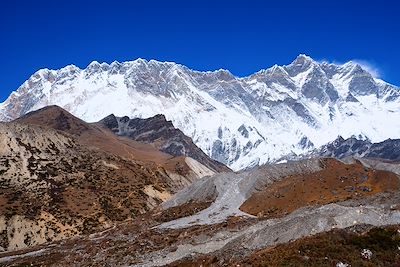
column 238, row 121
column 301, row 64
column 360, row 148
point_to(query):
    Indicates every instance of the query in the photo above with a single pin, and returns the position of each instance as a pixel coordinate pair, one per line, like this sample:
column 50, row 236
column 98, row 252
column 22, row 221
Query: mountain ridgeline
column 353, row 147
column 162, row 134
column 241, row 122
column 147, row 185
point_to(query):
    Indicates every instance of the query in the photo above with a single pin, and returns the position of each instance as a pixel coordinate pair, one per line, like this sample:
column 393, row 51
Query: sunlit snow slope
column 241, row 122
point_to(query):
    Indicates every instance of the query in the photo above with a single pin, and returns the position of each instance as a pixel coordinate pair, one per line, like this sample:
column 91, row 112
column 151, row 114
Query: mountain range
column 148, row 163
column 238, row 121
column 353, row 147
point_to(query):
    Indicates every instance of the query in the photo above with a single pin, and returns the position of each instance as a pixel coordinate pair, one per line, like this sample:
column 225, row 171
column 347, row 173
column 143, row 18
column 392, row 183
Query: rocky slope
column 161, row 134
column 241, row 122
column 353, row 147
column 361, row 245
column 96, row 135
column 222, row 235
column 335, row 182
column 61, row 177
column 274, row 190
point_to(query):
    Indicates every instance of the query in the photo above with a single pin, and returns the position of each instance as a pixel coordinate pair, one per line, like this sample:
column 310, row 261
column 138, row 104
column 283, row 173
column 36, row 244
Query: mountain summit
column 240, row 122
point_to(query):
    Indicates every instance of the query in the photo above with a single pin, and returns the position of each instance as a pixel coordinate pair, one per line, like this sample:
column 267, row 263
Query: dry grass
column 335, row 182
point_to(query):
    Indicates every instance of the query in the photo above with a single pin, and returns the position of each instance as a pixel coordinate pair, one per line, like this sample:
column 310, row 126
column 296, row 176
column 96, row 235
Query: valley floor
column 318, row 212
column 239, row 240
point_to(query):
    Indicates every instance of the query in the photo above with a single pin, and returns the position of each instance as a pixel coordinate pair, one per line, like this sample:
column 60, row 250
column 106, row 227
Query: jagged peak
column 41, row 72
column 270, row 71
column 94, row 63
column 353, row 68
column 301, row 64
column 150, row 62
column 156, row 62
column 112, row 115
column 338, row 140
column 352, row 65
column 139, row 60
column 277, row 69
column 109, row 118
column 39, row 75
column 95, row 66
column 160, row 117
column 303, row 59
column 115, row 63
column 221, row 70
column 69, row 68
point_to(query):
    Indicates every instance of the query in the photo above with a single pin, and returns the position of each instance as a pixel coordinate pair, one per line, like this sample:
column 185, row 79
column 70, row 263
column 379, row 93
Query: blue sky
column 241, row 36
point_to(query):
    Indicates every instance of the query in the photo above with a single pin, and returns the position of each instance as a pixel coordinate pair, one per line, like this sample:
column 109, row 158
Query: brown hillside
column 335, row 182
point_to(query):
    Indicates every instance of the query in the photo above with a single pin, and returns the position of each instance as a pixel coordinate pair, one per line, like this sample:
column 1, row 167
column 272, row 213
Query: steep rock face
column 353, row 147
column 162, row 134
column 240, row 122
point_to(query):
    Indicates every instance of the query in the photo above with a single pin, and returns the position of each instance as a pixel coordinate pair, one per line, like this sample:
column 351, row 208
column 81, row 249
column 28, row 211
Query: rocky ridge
column 241, row 122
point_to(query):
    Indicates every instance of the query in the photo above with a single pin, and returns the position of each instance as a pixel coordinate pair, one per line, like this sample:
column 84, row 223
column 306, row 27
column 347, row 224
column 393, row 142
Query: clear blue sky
column 241, row 36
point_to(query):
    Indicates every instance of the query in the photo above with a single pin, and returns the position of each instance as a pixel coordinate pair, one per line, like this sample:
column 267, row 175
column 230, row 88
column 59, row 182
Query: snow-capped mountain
column 241, row 122
column 353, row 147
